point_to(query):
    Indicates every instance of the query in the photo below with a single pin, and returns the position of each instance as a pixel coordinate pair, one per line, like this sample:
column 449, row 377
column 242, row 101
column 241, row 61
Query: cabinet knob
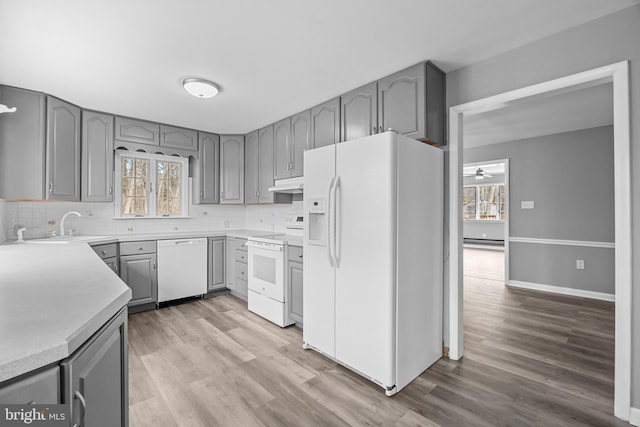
column 140, row 248
column 300, row 256
column 104, row 252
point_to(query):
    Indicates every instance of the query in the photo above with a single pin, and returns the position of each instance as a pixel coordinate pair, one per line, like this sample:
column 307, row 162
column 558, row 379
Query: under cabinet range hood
column 289, row 185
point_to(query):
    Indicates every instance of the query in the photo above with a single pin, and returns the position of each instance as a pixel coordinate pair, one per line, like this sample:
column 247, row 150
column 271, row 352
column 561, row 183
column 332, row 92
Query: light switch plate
column 580, row 264
column 529, row 204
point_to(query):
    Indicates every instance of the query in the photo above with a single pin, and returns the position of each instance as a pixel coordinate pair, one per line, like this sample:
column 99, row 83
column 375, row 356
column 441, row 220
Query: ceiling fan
column 479, row 174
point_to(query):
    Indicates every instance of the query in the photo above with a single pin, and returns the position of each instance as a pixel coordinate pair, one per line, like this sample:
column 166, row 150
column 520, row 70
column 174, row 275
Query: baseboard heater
column 485, row 242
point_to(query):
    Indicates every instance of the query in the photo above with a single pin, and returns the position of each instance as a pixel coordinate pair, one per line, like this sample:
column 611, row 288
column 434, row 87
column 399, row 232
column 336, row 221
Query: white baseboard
column 634, row 417
column 487, row 247
column 562, row 290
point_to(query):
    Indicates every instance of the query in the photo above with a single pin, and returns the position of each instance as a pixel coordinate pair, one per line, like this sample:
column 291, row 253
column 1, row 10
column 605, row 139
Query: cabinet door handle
column 379, row 129
column 50, row 186
column 83, row 406
column 110, row 190
column 154, row 265
column 373, row 130
column 202, row 194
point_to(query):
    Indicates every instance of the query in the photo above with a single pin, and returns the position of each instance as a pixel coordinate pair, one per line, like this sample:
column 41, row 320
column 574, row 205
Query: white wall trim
column 585, row 243
column 619, row 74
column 562, row 290
column 634, row 418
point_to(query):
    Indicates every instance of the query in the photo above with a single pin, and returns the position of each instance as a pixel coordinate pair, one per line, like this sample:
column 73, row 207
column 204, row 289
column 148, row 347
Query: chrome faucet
column 65, row 217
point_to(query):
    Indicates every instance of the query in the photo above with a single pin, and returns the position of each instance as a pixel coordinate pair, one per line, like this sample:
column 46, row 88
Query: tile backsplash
column 97, row 219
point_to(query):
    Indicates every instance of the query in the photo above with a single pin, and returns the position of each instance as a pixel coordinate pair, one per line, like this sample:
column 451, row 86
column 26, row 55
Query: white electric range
column 267, row 281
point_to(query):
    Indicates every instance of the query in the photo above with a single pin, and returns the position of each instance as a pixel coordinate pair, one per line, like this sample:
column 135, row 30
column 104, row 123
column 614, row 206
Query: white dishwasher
column 182, row 268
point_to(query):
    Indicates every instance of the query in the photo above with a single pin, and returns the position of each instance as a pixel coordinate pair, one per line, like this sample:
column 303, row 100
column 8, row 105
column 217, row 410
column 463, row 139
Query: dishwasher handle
column 180, row 242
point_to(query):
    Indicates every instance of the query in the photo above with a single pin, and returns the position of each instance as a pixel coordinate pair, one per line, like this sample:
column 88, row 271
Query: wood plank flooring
column 531, row 359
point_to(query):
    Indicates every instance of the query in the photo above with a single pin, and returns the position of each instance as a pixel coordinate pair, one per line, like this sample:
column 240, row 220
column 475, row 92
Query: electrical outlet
column 580, row 264
column 529, row 204
column 484, row 235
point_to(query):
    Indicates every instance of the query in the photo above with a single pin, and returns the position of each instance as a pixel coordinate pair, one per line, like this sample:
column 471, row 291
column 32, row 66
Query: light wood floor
column 531, row 359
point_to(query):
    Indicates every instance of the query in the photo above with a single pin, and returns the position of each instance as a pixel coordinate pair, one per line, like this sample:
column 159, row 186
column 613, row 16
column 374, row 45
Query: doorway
column 618, row 75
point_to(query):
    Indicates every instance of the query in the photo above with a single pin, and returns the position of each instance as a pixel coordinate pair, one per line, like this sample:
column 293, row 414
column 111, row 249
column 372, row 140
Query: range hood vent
column 289, row 186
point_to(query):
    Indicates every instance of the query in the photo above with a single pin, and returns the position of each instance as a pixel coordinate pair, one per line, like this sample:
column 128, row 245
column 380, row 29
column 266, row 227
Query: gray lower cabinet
column 96, row 378
column 240, row 268
column 138, row 270
column 207, row 180
column 42, row 387
column 93, row 380
column 137, row 131
column 63, row 150
column 97, row 157
column 176, row 137
column 359, row 110
column 217, row 256
column 230, row 262
column 231, row 169
column 325, row 123
column 109, row 255
column 22, row 145
column 294, row 276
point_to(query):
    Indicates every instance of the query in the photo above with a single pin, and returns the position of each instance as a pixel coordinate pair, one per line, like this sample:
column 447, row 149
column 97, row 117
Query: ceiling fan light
column 200, row 88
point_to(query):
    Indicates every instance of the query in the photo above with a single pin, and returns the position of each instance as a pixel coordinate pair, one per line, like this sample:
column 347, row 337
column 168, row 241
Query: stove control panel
column 294, row 221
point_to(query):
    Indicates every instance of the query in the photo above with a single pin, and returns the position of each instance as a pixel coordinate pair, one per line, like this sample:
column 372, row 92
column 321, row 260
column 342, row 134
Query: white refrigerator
column 373, row 244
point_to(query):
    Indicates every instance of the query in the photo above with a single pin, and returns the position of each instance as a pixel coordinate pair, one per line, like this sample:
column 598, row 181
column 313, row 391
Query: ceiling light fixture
column 200, row 88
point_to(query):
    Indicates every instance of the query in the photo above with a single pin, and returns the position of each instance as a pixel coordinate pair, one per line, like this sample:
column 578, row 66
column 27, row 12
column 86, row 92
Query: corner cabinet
column 231, row 169
column 95, row 377
column 63, row 150
column 216, row 267
column 325, row 123
column 207, row 180
column 411, row 102
column 97, row 157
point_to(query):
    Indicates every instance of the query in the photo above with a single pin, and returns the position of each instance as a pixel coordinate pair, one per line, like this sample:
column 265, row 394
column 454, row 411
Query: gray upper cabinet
column 217, row 249
column 359, row 109
column 97, row 157
column 251, row 168
column 138, row 131
column 282, row 162
column 63, row 150
column 300, row 141
column 265, row 169
column 436, row 117
column 175, row 137
column 22, row 145
column 231, row 169
column 325, row 123
column 207, row 189
column 401, row 102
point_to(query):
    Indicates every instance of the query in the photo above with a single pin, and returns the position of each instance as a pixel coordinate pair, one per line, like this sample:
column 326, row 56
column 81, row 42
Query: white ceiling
column 548, row 114
column 272, row 58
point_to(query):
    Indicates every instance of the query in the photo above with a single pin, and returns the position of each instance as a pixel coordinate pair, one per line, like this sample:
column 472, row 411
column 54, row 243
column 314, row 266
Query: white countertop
column 52, row 299
column 54, row 296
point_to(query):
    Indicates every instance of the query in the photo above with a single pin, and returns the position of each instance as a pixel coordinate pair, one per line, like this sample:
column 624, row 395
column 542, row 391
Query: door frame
column 617, row 73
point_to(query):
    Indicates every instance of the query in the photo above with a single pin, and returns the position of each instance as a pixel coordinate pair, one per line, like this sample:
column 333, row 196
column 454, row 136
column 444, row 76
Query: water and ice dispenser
column 318, row 222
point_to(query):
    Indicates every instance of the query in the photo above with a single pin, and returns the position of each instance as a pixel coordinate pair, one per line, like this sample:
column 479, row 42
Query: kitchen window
column 484, row 202
column 150, row 185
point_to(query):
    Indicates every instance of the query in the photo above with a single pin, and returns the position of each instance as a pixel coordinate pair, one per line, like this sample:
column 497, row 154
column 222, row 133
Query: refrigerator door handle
column 329, row 253
column 336, row 223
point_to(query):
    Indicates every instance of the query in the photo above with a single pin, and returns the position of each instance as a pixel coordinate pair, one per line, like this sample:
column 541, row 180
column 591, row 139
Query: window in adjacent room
column 484, row 202
column 151, row 185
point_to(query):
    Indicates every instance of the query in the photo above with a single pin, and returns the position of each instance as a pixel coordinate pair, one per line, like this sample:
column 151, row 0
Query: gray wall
column 569, row 176
column 601, row 42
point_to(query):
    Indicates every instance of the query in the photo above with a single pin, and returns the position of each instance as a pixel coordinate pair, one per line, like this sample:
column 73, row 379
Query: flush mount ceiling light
column 200, row 88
